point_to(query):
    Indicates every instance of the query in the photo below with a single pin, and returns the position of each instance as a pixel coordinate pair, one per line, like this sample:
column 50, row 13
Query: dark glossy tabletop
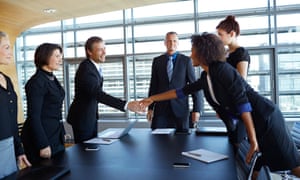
column 141, row 155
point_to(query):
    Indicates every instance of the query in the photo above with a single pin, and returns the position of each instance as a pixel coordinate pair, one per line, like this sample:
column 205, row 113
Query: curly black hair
column 209, row 48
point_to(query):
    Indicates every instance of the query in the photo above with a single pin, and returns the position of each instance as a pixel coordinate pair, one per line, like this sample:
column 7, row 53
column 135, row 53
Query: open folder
column 205, row 155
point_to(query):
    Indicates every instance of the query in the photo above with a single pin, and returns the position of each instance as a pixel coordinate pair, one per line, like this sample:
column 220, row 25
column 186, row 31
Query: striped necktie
column 170, row 67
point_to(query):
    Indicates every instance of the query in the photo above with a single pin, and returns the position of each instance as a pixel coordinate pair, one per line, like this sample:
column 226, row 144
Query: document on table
column 100, row 141
column 204, row 155
column 163, row 131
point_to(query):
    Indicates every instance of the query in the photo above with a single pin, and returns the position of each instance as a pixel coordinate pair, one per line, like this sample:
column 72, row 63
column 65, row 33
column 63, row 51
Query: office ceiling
column 19, row 15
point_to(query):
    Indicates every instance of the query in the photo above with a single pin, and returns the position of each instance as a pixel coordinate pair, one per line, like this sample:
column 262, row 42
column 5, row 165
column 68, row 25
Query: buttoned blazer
column 8, row 115
column 183, row 73
column 83, row 112
column 43, row 126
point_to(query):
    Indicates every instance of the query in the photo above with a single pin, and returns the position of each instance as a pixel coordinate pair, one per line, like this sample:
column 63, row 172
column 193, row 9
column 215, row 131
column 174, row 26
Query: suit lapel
column 94, row 70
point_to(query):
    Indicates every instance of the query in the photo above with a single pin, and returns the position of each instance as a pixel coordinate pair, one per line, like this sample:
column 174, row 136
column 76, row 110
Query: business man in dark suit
column 83, row 113
column 172, row 113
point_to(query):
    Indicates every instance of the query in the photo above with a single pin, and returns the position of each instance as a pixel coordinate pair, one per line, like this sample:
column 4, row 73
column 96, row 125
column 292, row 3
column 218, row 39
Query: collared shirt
column 174, row 55
column 97, row 65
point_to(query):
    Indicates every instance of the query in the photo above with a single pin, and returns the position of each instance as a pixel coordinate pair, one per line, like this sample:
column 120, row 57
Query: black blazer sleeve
column 35, row 93
column 191, row 78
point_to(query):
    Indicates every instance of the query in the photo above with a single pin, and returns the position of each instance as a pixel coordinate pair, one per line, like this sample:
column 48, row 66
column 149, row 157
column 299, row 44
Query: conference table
column 145, row 156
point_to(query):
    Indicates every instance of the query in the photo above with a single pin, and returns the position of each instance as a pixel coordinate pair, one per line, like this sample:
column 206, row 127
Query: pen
column 194, row 154
column 107, row 140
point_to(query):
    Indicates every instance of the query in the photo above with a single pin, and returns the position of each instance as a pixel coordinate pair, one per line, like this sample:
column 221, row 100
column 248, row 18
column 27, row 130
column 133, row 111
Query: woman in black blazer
column 234, row 100
column 11, row 150
column 43, row 131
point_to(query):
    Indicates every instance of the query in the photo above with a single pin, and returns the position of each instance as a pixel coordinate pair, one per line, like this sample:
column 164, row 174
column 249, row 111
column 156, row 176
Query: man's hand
column 195, row 117
column 135, row 106
column 150, row 115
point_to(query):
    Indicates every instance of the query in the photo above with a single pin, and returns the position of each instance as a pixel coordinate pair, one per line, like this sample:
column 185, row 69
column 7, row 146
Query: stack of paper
column 205, row 155
column 163, row 131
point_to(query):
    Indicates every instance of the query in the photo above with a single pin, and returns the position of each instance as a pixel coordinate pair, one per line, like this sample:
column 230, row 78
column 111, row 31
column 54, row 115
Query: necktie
column 100, row 71
column 170, row 67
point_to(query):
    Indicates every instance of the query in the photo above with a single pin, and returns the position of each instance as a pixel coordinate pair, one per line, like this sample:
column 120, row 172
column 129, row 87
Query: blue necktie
column 100, row 71
column 170, row 67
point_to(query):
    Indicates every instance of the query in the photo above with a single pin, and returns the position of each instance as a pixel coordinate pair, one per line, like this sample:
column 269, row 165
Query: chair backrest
column 296, row 134
column 245, row 170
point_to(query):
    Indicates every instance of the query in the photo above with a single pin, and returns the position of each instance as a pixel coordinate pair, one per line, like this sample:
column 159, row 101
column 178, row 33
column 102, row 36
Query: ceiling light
column 49, row 10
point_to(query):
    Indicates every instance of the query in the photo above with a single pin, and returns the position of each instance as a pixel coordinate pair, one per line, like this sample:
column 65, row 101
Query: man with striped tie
column 172, row 70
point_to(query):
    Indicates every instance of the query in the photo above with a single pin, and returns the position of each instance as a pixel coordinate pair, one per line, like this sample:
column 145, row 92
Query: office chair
column 245, row 170
column 264, row 173
column 295, row 132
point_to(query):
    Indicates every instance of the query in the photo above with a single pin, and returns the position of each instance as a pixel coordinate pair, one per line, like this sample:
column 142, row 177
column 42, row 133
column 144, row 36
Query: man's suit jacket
column 83, row 112
column 183, row 73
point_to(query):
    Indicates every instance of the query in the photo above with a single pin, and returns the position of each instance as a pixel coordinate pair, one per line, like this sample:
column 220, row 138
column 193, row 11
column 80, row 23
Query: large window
column 269, row 30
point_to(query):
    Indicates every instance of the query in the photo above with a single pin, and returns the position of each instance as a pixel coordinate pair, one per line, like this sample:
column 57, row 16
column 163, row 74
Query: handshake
column 139, row 107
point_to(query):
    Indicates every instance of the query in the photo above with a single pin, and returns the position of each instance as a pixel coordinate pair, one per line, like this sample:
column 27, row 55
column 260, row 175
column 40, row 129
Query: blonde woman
column 10, row 144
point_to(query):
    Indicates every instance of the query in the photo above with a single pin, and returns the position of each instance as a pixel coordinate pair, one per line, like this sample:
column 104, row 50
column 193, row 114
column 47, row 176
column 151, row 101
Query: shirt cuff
column 179, row 93
column 246, row 107
column 126, row 105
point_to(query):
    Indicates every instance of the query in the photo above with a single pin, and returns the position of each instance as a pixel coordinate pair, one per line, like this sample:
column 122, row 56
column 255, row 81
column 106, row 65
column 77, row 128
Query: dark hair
column 209, row 48
column 90, row 42
column 43, row 53
column 229, row 24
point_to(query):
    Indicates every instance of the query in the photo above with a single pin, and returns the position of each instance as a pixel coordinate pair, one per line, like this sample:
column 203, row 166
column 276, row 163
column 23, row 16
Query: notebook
column 43, row 172
column 205, row 155
column 116, row 133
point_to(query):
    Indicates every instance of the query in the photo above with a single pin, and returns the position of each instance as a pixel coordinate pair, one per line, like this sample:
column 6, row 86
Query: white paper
column 205, row 155
column 163, row 131
column 100, row 141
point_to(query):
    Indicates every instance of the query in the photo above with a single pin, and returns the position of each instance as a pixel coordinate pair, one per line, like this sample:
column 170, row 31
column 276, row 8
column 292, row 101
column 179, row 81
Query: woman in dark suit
column 43, row 131
column 11, row 151
column 232, row 98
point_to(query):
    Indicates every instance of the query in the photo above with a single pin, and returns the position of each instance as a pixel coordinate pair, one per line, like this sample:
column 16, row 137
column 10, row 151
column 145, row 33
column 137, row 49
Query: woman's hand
column 23, row 161
column 149, row 115
column 145, row 103
column 46, row 152
column 253, row 148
